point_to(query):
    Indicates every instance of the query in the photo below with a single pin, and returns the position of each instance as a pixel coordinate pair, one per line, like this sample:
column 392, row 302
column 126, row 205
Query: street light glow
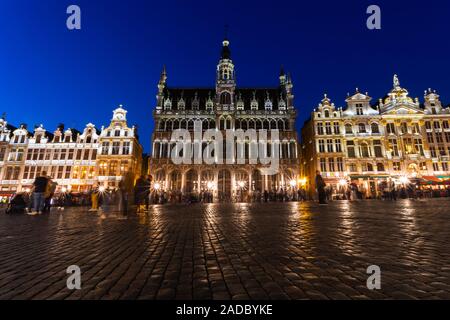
column 293, row 183
column 241, row 184
column 404, row 180
column 343, row 182
column 157, row 186
column 210, row 185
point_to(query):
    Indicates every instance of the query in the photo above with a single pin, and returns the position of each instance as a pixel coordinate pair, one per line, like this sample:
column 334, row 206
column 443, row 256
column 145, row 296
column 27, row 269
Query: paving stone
column 223, row 251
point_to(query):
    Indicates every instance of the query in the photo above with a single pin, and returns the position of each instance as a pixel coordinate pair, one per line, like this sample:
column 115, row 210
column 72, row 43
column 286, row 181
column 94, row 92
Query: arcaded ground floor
column 232, row 251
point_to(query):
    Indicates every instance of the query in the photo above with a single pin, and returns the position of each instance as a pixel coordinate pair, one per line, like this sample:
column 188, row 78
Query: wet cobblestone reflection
column 232, row 251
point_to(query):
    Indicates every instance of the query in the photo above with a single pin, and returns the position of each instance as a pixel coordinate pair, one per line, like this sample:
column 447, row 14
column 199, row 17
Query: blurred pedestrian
column 40, row 186
column 320, row 185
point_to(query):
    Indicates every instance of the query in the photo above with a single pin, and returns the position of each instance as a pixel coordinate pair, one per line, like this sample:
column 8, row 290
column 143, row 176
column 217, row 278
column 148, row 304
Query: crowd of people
column 386, row 190
column 38, row 200
column 43, row 195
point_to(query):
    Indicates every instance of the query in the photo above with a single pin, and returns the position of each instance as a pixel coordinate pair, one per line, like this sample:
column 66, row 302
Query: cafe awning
column 431, row 179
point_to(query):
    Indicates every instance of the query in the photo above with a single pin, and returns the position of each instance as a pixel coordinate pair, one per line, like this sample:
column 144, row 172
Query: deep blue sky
column 49, row 74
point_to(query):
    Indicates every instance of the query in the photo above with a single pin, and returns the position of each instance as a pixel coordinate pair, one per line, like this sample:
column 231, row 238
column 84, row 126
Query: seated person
column 17, row 204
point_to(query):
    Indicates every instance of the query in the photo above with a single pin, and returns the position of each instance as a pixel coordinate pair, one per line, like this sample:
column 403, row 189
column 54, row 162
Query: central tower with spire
column 225, row 78
column 223, row 107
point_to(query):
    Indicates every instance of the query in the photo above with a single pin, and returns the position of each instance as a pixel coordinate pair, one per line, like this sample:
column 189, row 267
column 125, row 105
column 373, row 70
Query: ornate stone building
column 224, row 107
column 398, row 139
column 120, row 151
column 75, row 160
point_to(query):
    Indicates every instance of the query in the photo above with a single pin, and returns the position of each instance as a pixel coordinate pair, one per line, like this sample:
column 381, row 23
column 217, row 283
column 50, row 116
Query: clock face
column 120, row 116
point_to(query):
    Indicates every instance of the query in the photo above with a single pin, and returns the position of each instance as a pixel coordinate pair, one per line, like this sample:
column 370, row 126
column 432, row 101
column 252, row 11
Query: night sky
column 51, row 75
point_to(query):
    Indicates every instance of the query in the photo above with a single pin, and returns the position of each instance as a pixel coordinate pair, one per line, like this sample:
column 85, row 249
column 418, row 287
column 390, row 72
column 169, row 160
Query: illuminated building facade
column 224, row 107
column 71, row 158
column 120, row 153
column 397, row 139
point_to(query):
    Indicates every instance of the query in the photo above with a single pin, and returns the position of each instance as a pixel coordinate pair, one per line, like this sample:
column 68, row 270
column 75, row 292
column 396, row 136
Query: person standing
column 49, row 193
column 39, row 186
column 320, row 185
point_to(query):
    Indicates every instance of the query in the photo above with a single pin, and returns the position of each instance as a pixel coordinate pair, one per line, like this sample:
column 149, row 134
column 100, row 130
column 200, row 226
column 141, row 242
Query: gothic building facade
column 397, row 138
column 225, row 107
column 75, row 160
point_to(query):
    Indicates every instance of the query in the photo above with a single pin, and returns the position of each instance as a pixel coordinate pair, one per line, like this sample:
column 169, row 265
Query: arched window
column 280, row 125
column 161, row 125
column 205, row 124
column 225, row 98
column 327, row 114
column 362, row 128
column 369, row 167
column 375, row 128
column 380, row 167
column 348, row 128
column 156, row 151
column 228, row 123
column 273, row 124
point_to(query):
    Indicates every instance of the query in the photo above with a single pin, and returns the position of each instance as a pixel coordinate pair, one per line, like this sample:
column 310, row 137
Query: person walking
column 39, row 186
column 140, row 193
column 320, row 185
column 95, row 193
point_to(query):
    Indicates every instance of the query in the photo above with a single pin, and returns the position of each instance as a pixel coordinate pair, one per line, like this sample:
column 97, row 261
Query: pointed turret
column 161, row 87
column 282, row 76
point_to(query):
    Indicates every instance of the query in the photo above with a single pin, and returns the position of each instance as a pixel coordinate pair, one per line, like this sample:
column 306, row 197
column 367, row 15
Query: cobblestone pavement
column 232, row 251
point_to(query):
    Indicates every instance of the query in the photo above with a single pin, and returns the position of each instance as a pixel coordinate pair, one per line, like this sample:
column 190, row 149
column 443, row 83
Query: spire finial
column 163, row 77
column 396, row 81
column 226, row 53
